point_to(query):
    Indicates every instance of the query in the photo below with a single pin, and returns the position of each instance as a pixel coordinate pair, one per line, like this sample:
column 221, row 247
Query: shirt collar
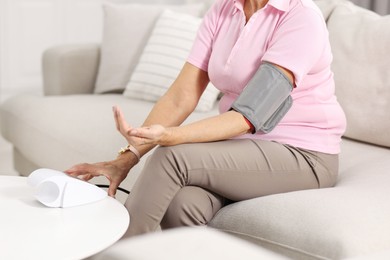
column 282, row 5
column 238, row 6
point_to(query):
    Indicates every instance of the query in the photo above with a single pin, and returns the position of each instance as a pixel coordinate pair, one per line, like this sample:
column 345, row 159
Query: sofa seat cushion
column 345, row 221
column 60, row 131
column 186, row 243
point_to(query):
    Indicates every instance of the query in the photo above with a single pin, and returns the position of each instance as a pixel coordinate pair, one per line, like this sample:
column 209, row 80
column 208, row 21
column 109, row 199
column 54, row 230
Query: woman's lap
column 243, row 169
column 233, row 169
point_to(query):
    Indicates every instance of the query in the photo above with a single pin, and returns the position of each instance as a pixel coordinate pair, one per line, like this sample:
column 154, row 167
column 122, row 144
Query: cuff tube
column 266, row 98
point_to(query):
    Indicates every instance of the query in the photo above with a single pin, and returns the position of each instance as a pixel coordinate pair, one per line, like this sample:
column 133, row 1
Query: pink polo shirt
column 290, row 33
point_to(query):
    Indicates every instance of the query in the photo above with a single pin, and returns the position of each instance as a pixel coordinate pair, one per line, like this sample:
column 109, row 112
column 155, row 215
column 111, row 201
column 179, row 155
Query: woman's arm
column 220, row 127
column 174, row 107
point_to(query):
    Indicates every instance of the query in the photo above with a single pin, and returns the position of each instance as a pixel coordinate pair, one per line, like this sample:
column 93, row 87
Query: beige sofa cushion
column 189, row 243
column 124, row 36
column 360, row 41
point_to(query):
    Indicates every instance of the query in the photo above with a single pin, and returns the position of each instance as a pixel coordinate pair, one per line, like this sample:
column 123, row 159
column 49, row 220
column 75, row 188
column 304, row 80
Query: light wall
column 380, row 6
column 28, row 27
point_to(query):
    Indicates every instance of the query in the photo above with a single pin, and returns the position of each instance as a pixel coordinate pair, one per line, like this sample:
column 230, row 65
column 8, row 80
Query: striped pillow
column 163, row 57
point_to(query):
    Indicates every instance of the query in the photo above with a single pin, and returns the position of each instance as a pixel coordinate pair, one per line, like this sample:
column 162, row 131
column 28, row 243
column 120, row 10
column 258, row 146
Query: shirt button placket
column 238, row 42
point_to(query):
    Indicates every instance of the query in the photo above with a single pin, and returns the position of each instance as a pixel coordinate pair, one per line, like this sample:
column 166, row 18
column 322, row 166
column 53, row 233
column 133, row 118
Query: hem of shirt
column 321, row 149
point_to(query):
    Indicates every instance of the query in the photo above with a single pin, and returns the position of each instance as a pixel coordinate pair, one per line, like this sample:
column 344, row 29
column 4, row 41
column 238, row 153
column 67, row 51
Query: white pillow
column 360, row 40
column 125, row 31
column 163, row 57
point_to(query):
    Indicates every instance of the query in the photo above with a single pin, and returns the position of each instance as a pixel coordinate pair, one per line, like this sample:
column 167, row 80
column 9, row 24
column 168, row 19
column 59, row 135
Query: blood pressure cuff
column 266, row 99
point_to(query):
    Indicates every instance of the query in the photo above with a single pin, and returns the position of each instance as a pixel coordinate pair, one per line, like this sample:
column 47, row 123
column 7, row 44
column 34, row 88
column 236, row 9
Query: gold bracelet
column 131, row 149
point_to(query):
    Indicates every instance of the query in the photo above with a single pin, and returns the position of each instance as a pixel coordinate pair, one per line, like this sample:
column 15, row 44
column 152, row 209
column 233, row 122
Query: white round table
column 30, row 230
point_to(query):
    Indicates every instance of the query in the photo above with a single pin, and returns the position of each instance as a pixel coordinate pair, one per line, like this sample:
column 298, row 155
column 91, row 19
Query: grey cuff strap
column 266, row 99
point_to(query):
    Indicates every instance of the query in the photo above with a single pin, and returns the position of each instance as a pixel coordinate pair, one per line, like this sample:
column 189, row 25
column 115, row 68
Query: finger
column 112, row 189
column 139, row 138
column 75, row 170
column 114, row 110
column 141, row 132
column 120, row 121
column 86, row 177
column 123, row 127
column 145, row 135
column 83, row 169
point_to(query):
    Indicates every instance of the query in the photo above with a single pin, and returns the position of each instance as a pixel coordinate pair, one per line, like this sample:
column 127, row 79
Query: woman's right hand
column 115, row 171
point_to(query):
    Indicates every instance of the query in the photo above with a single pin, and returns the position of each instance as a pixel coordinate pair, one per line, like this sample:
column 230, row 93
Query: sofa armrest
column 70, row 69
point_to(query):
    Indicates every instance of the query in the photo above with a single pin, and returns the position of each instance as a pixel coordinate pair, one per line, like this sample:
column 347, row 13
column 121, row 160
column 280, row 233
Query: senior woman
column 279, row 127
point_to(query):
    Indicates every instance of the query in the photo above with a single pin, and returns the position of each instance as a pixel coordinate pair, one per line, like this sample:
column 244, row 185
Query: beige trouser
column 187, row 184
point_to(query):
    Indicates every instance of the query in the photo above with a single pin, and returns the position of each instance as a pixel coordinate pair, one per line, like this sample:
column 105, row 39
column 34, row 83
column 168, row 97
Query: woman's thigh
column 243, row 169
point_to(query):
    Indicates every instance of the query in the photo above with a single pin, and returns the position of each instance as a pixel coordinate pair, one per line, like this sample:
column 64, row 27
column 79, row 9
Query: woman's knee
column 191, row 206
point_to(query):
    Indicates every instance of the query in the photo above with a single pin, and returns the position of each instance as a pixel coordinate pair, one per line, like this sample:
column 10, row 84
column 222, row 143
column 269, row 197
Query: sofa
column 72, row 123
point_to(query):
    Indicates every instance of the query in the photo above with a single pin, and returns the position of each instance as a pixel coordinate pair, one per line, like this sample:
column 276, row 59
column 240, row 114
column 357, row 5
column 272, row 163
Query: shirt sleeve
column 202, row 47
column 299, row 42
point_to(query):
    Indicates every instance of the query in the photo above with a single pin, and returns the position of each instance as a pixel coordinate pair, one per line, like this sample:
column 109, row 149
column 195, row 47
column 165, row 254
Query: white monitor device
column 59, row 190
